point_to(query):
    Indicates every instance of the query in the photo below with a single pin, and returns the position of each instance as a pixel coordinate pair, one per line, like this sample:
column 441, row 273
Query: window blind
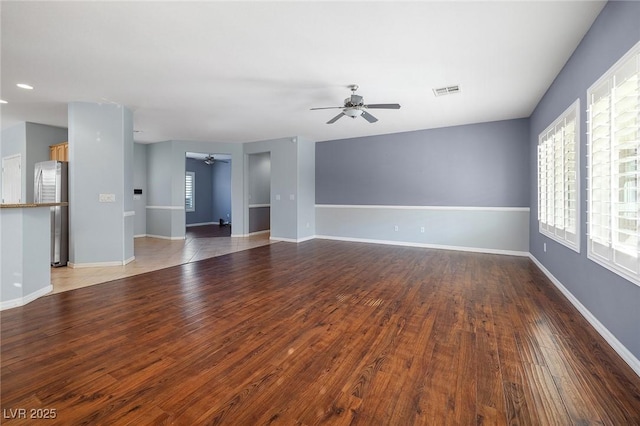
column 558, row 178
column 614, row 142
column 189, row 192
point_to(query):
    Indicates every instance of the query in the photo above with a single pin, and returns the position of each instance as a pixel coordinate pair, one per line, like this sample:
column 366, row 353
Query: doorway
column 207, row 195
column 259, row 193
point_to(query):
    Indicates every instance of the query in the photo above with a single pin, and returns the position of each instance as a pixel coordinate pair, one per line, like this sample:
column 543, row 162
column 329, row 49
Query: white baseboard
column 93, row 264
column 14, row 303
column 129, row 260
column 617, row 346
column 292, row 240
column 140, row 236
column 162, row 237
column 251, row 234
column 423, row 245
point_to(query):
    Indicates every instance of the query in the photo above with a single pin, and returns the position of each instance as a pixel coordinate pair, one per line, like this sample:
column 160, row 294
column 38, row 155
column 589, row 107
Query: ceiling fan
column 354, row 106
column 209, row 159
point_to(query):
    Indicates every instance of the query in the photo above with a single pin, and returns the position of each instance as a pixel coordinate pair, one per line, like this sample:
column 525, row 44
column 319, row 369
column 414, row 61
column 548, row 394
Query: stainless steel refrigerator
column 50, row 186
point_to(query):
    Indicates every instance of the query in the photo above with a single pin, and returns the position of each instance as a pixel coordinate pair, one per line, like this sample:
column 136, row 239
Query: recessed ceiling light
column 2, row 101
column 24, row 86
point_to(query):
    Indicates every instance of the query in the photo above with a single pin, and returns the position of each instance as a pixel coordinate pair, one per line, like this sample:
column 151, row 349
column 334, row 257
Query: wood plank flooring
column 320, row 332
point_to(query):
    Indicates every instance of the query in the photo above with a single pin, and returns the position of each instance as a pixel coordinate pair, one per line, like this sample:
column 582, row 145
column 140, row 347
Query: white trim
column 292, row 240
column 202, row 224
column 140, row 236
column 467, row 208
column 192, row 175
column 617, row 346
column 97, row 264
column 129, row 213
column 129, row 260
column 266, row 231
column 20, row 301
column 255, row 206
column 574, row 108
column 423, row 245
column 165, row 207
column 163, row 237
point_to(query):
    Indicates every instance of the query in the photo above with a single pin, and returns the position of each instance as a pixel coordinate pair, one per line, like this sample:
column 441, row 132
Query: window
column 614, row 139
column 558, row 182
column 190, row 192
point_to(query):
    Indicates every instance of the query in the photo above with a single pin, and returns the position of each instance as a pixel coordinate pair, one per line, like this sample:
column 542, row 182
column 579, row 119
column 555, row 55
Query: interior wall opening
column 208, row 194
column 259, row 193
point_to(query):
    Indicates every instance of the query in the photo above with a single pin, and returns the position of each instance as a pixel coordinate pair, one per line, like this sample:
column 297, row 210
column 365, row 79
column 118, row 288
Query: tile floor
column 152, row 254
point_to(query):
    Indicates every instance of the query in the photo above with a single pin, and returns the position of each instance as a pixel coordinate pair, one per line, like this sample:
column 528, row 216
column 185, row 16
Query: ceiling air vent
column 448, row 90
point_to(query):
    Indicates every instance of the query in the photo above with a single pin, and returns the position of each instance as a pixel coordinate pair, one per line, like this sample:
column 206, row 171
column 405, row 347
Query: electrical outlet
column 422, row 229
column 544, row 247
column 396, row 228
column 107, row 198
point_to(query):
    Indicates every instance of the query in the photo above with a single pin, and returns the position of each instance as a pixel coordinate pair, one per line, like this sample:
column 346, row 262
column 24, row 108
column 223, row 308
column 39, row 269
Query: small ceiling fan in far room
column 209, row 159
column 354, row 106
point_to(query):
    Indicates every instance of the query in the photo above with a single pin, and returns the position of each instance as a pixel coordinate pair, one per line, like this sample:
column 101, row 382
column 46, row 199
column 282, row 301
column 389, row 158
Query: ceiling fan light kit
column 354, row 106
column 353, row 112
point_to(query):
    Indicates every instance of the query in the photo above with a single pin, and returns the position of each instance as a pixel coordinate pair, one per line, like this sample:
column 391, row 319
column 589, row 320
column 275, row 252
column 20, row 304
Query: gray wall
column 14, row 142
column 165, row 173
column 221, row 178
column 306, row 188
column 285, row 191
column 25, row 272
column 101, row 155
column 259, row 191
column 612, row 300
column 32, row 142
column 259, row 219
column 39, row 138
column 204, row 192
column 464, row 187
column 483, row 165
column 259, row 178
column 162, row 215
column 140, row 182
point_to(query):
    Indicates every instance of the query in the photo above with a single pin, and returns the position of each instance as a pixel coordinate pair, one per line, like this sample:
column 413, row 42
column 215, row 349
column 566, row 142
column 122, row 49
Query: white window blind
column 190, row 191
column 558, row 191
column 614, row 140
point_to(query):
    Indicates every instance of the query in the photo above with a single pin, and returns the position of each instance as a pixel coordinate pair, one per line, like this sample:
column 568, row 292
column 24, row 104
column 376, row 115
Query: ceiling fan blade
column 370, row 118
column 311, row 109
column 336, row 118
column 383, row 106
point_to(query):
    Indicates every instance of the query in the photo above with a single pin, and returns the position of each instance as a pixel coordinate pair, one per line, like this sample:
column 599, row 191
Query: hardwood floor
column 208, row 231
column 320, row 332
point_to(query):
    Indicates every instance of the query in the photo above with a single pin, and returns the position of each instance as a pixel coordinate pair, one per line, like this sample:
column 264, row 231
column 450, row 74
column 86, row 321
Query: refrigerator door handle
column 38, row 192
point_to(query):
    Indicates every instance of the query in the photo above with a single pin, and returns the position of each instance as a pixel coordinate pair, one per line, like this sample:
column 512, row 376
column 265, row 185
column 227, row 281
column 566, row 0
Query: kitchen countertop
column 31, row 205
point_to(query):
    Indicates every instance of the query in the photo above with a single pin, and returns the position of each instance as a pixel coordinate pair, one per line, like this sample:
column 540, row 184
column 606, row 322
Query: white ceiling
column 248, row 71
